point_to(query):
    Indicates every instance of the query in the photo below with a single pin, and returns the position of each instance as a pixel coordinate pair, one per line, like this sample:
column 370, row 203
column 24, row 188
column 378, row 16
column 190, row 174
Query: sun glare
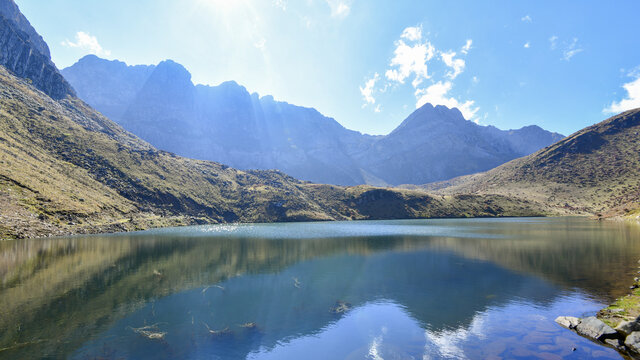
column 224, row 5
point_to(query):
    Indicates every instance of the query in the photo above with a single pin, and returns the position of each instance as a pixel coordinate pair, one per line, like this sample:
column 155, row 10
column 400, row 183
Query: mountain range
column 227, row 124
column 65, row 168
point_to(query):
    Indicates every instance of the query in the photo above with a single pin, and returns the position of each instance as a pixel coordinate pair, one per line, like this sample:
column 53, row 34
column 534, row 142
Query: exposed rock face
column 24, row 53
column 11, row 12
column 226, row 123
column 112, row 84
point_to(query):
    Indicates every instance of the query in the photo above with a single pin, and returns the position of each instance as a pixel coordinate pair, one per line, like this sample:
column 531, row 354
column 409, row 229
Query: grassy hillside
column 595, row 171
column 64, row 168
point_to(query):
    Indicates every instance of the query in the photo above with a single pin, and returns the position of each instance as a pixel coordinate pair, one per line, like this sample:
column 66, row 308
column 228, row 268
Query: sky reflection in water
column 409, row 289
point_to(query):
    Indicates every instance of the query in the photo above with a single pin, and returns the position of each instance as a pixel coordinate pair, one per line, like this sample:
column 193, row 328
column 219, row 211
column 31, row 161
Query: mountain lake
column 401, row 289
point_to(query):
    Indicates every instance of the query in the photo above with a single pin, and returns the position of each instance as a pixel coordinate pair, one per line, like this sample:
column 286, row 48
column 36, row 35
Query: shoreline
column 143, row 223
column 616, row 326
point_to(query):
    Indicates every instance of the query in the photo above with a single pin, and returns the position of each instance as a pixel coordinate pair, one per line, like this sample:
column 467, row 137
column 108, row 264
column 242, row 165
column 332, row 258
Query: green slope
column 595, row 171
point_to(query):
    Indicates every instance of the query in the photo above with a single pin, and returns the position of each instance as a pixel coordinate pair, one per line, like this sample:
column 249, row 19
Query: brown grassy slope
column 64, row 168
column 594, row 171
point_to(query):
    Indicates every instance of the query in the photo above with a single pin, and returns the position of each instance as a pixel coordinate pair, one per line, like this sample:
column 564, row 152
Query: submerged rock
column 340, row 307
column 594, row 328
column 568, row 322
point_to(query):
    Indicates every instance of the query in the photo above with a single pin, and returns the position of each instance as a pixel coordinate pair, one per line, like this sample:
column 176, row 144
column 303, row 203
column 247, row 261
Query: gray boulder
column 594, row 328
column 616, row 343
column 569, row 322
column 627, row 327
column 633, row 341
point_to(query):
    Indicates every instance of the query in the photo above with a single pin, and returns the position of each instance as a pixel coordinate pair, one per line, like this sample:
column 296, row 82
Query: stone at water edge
column 633, row 341
column 616, row 343
column 627, row 327
column 594, row 328
column 569, row 322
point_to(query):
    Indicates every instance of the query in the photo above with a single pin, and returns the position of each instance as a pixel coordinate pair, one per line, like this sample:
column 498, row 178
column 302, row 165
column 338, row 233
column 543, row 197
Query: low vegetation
column 595, row 172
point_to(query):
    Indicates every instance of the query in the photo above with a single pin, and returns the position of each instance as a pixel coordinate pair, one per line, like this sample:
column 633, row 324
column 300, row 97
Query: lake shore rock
column 594, row 328
column 616, row 326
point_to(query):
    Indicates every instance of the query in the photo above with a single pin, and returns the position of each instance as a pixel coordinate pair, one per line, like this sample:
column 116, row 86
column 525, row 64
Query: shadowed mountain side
column 226, row 123
column 594, row 171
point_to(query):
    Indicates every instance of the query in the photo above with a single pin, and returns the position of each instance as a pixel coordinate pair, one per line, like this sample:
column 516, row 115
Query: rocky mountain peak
column 26, row 55
column 428, row 115
column 11, row 12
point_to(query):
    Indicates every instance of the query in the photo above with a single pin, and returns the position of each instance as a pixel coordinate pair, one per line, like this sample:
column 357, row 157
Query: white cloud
column 553, row 40
column 87, row 42
column 368, row 89
column 412, row 33
column 281, row 4
column 410, row 60
column 632, row 100
column 571, row 50
column 339, row 8
column 467, row 46
column 438, row 94
column 526, row 18
column 527, row 45
column 260, row 44
column 456, row 65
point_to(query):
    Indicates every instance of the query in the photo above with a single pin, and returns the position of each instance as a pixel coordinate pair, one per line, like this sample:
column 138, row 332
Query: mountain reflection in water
column 376, row 289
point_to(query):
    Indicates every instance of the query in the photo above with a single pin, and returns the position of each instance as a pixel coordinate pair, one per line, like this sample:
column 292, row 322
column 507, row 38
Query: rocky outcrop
column 11, row 12
column 24, row 59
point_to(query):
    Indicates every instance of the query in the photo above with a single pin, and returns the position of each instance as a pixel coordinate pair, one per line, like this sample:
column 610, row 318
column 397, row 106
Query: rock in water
column 593, row 328
column 569, row 322
column 633, row 341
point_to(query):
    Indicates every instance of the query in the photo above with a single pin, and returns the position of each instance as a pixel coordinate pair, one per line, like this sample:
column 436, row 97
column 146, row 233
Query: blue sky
column 562, row 65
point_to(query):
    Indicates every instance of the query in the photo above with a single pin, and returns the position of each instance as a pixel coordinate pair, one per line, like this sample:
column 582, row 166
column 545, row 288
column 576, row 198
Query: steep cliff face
column 11, row 12
column 27, row 58
column 111, row 84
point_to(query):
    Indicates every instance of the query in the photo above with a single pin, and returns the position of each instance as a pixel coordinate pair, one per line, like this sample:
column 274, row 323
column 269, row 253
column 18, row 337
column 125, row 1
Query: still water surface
column 408, row 289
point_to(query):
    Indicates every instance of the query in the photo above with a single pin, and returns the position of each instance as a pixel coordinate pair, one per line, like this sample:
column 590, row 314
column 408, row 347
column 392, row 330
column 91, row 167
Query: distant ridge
column 228, row 124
